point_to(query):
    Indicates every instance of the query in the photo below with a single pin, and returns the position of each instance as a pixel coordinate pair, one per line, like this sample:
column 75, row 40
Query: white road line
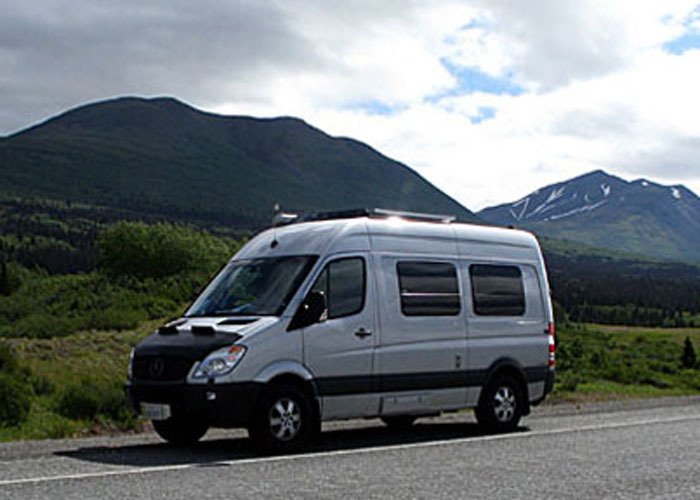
column 397, row 447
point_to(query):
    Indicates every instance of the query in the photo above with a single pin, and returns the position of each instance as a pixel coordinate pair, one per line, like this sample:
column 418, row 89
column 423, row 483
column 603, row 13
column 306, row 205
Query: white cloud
column 598, row 91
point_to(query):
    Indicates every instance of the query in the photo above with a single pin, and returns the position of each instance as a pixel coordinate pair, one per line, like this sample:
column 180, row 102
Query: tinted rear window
column 497, row 290
column 428, row 288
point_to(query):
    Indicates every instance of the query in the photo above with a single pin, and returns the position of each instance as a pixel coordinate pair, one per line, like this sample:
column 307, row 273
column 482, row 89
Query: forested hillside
column 160, row 157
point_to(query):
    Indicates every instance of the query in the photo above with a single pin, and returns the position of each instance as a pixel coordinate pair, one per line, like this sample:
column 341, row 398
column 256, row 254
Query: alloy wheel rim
column 504, row 404
column 285, row 419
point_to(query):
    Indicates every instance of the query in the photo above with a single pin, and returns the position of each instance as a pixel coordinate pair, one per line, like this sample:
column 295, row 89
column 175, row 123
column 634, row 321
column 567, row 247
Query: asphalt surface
column 615, row 450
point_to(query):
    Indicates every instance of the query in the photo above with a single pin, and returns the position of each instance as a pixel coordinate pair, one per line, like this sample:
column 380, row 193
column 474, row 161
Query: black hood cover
column 184, row 344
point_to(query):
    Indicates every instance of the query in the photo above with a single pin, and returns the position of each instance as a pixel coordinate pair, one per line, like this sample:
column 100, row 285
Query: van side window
column 497, row 290
column 343, row 283
column 428, row 288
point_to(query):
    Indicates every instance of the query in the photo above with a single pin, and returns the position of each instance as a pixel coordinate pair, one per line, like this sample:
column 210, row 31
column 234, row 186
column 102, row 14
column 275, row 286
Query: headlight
column 130, row 366
column 220, row 362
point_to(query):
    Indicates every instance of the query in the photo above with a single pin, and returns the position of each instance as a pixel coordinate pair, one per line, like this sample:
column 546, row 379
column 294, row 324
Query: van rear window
column 497, row 290
column 428, row 288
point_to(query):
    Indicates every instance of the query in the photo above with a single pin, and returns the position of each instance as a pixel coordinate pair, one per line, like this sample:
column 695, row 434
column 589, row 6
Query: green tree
column 9, row 278
column 15, row 391
column 689, row 358
column 155, row 251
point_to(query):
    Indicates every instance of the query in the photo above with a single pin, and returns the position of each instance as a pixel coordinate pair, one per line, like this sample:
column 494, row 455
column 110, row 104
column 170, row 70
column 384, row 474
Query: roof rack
column 375, row 212
column 445, row 219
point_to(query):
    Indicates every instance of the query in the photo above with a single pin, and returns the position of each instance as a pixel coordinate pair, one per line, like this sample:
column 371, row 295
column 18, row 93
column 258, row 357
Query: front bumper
column 222, row 405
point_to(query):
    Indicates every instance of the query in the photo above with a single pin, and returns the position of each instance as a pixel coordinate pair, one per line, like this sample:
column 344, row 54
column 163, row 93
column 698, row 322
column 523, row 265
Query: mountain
column 163, row 158
column 601, row 210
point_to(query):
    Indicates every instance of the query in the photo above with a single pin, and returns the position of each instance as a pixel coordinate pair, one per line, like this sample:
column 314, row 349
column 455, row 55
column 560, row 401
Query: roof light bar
column 382, row 212
column 289, row 218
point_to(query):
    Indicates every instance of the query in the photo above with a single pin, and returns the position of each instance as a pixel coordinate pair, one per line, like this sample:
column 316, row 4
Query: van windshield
column 254, row 287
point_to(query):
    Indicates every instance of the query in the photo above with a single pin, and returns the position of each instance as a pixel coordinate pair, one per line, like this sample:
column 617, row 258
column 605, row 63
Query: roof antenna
column 276, row 210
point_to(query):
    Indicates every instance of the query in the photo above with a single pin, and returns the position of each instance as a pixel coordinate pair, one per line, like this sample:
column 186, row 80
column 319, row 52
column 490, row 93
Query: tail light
column 552, row 345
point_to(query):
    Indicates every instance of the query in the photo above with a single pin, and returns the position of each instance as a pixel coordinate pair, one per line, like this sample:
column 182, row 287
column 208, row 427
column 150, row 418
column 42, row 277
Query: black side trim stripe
column 536, row 374
column 364, row 384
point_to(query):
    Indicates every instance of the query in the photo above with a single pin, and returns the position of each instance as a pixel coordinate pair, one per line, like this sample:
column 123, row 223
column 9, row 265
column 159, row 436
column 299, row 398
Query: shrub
column 568, row 381
column 11, row 276
column 41, row 385
column 8, row 361
column 42, row 326
column 79, row 401
column 15, row 400
column 154, row 251
column 118, row 317
column 114, row 405
column 87, row 399
column 689, row 358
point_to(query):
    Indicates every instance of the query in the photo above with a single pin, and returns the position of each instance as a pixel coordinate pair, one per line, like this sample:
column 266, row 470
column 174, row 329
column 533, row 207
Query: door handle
column 362, row 333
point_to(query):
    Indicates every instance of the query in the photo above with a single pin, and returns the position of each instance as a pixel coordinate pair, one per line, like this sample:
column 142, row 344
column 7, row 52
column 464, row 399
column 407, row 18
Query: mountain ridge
column 160, row 155
column 603, row 210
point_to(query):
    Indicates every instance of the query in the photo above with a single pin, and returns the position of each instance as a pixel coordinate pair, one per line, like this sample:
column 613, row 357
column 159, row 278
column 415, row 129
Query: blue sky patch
column 684, row 43
column 471, row 80
column 376, row 108
column 485, row 113
column 690, row 39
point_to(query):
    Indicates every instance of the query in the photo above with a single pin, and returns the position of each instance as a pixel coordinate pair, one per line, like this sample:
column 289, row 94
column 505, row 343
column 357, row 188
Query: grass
column 63, row 363
column 602, row 390
column 652, row 333
column 67, row 360
column 596, row 363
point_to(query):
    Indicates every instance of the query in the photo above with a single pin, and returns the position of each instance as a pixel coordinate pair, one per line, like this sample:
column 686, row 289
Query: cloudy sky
column 488, row 99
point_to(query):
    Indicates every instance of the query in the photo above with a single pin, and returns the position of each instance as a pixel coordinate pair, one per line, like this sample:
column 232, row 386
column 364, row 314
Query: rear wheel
column 284, row 420
column 501, row 405
column 399, row 421
column 181, row 429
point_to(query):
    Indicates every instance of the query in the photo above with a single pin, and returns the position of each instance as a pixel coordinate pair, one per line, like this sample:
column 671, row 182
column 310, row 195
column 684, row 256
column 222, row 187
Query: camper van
column 360, row 314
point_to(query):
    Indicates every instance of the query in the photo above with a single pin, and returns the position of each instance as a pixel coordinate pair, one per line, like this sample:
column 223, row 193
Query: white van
column 366, row 313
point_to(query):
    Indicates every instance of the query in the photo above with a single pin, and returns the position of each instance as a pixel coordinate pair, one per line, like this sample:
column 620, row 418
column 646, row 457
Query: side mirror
column 310, row 311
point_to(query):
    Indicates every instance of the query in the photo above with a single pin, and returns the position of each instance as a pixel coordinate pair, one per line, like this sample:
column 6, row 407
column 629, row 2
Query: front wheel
column 501, row 405
column 284, row 420
column 181, row 430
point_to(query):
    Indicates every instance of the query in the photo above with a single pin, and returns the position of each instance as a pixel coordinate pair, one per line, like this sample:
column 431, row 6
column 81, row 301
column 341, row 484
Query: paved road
column 640, row 450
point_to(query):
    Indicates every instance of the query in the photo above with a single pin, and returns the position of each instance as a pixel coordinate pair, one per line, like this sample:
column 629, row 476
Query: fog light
column 211, row 396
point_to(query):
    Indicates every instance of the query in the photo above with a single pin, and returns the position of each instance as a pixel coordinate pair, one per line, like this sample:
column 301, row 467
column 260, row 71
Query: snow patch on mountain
column 563, row 200
column 524, row 202
column 675, row 193
column 556, row 194
column 585, row 208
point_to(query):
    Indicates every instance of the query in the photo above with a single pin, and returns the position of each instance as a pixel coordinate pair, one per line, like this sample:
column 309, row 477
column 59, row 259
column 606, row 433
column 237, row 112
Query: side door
column 339, row 349
column 421, row 356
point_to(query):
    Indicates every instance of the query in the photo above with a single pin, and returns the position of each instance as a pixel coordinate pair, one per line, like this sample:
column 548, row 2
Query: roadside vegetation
column 65, row 338
column 605, row 362
column 72, row 385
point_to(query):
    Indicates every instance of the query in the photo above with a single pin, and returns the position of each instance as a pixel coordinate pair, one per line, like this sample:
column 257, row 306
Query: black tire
column 181, row 430
column 284, row 420
column 399, row 422
column 501, row 405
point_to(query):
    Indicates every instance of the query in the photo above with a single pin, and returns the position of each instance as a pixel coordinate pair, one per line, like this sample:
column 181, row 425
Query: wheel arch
column 294, row 374
column 508, row 367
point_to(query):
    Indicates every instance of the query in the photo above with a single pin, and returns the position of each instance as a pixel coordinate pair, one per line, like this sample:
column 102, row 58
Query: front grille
column 160, row 368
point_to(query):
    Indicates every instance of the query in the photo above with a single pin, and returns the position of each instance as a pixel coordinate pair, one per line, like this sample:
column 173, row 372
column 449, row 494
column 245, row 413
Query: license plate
column 155, row 411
